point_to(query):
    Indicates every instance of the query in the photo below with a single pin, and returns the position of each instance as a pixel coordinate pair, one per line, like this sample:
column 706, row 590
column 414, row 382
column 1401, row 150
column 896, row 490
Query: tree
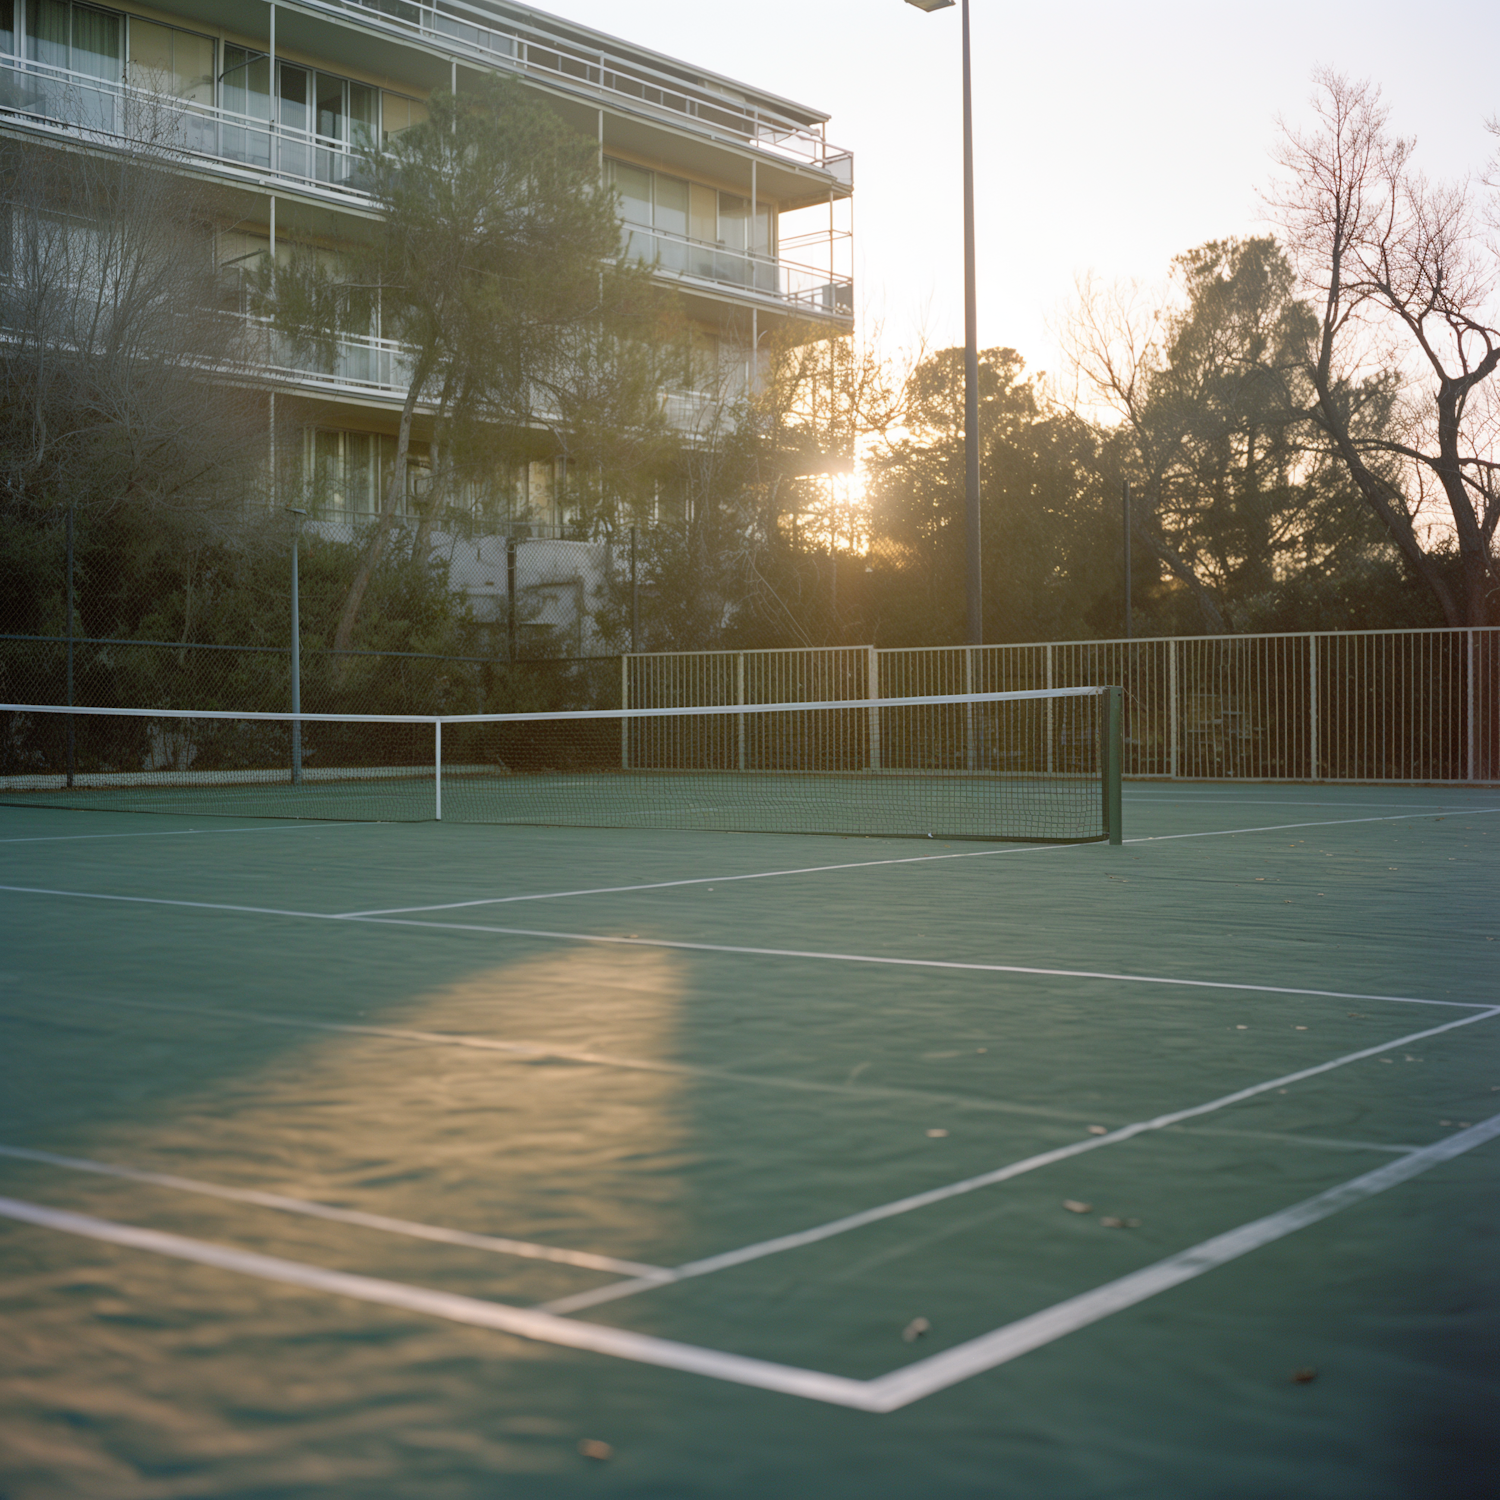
column 1205, row 395
column 1039, row 523
column 121, row 381
column 1400, row 274
column 489, row 264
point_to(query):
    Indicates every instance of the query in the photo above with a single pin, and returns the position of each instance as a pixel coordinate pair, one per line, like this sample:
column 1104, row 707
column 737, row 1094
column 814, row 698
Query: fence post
column 437, row 769
column 1047, row 683
column 872, row 692
column 1172, row 708
column 625, row 718
column 1469, row 715
column 1111, row 758
column 739, row 719
column 1312, row 707
column 70, row 646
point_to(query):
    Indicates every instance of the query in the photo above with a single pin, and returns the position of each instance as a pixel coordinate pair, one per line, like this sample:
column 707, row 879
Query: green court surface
column 400, row 1160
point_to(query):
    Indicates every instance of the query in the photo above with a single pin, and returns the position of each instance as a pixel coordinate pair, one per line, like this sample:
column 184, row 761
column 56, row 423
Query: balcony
column 467, row 30
column 812, row 291
column 362, row 367
column 56, row 100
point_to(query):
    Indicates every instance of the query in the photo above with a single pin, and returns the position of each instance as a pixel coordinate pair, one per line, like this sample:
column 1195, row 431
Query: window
column 398, row 113
column 8, row 26
column 168, row 60
column 77, row 37
column 688, row 226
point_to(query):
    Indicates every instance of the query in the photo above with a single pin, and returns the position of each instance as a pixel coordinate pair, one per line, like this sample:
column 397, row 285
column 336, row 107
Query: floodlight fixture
column 931, row 5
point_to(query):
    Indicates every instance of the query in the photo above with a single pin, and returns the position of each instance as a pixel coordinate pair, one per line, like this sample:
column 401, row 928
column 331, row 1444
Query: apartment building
column 732, row 193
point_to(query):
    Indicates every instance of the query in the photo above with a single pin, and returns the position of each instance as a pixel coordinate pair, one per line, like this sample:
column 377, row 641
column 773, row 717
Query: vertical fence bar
column 739, row 719
column 1172, row 710
column 1111, row 757
column 1312, row 708
column 1468, row 708
column 437, row 770
column 971, row 758
column 71, row 744
column 625, row 718
column 872, row 691
column 1048, row 684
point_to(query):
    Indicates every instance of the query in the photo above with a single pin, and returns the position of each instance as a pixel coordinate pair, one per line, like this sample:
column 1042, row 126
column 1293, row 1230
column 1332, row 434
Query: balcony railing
column 528, row 50
column 354, row 365
column 114, row 112
column 807, row 287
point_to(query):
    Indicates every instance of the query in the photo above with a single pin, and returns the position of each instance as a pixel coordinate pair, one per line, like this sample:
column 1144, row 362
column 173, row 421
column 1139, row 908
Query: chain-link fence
column 98, row 613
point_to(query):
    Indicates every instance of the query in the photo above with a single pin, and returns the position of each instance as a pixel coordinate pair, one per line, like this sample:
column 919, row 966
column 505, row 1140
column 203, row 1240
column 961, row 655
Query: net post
column 872, row 691
column 437, row 769
column 1112, row 759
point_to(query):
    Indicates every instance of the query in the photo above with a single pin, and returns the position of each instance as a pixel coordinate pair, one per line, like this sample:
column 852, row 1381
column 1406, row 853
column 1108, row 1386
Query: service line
column 814, row 954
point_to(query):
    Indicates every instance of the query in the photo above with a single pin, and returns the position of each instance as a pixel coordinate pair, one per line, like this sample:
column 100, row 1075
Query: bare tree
column 1401, row 274
column 120, row 381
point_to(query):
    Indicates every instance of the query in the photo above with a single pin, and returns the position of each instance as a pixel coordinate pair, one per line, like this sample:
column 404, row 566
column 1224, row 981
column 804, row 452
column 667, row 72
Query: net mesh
column 998, row 766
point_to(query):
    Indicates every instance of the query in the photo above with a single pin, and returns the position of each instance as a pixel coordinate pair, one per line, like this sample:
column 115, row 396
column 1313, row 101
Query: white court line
column 600, row 1059
column 865, row 864
column 901, row 963
column 675, row 945
column 177, row 833
column 525, row 1322
column 412, row 1230
column 798, row 1239
column 939, row 1371
column 885, row 1393
column 662, row 885
column 1219, row 833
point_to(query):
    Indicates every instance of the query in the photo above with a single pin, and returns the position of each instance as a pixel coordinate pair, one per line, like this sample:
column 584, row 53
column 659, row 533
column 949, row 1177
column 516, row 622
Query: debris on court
column 915, row 1329
column 937, row 1133
column 1304, row 1376
column 1098, row 1129
column 1073, row 1206
column 592, row 1448
column 1109, row 1221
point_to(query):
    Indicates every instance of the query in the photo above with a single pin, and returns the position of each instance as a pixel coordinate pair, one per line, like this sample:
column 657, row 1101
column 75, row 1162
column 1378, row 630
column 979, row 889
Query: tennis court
column 386, row 1159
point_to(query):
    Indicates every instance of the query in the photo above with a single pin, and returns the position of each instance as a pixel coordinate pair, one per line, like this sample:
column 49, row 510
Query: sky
column 1108, row 138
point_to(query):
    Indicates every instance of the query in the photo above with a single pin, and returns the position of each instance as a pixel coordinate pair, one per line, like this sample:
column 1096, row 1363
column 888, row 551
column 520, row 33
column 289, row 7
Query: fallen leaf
column 1073, row 1206
column 1304, row 1376
column 1110, row 1222
column 915, row 1329
column 1098, row 1129
column 593, row 1448
column 936, row 1135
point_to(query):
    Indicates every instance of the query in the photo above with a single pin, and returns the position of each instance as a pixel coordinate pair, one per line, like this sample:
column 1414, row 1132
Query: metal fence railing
column 1355, row 706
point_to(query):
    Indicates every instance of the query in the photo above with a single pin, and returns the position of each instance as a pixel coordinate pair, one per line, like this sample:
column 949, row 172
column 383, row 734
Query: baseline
column 883, row 1394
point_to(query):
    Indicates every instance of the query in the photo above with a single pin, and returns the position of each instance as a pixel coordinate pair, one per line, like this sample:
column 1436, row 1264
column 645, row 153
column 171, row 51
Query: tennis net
column 1038, row 766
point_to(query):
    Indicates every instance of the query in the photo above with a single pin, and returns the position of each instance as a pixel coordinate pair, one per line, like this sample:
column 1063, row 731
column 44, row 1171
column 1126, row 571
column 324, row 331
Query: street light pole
column 296, row 516
column 973, row 577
